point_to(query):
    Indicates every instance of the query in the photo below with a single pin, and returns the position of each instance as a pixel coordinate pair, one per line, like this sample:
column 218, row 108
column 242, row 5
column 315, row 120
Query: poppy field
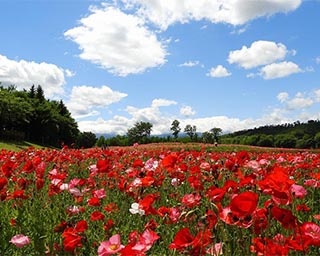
column 159, row 200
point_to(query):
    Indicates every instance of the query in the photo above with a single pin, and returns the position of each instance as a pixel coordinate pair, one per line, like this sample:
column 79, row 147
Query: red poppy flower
column 111, row 207
column 191, row 200
column 71, row 240
column 147, row 181
column 269, row 247
column 182, row 239
column 244, row 204
column 137, row 163
column 169, row 160
column 94, row 201
column 146, row 203
column 3, row 182
column 96, row 216
column 215, row 194
column 195, row 182
column 81, row 226
column 312, row 233
column 103, row 165
column 61, row 226
column 284, row 216
column 108, row 224
column 19, row 194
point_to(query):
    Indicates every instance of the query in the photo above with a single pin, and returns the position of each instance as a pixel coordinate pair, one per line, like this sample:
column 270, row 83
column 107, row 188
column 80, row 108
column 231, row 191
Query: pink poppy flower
column 113, row 245
column 298, row 191
column 20, row 240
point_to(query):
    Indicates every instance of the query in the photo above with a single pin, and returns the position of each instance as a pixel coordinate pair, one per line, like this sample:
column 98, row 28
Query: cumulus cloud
column 190, row 64
column 317, row 95
column 152, row 113
column 283, row 96
column 162, row 103
column 187, row 111
column 292, row 110
column 161, row 125
column 164, row 13
column 85, row 99
column 23, row 74
column 117, row 42
column 258, row 54
column 299, row 101
column 218, row 71
column 69, row 73
column 278, row 70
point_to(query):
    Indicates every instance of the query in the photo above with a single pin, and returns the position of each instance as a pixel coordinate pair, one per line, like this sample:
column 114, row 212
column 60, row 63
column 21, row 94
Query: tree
column 40, row 93
column 101, row 142
column 32, row 92
column 216, row 133
column 175, row 128
column 265, row 141
column 191, row 131
column 207, row 137
column 285, row 141
column 140, row 132
column 86, row 140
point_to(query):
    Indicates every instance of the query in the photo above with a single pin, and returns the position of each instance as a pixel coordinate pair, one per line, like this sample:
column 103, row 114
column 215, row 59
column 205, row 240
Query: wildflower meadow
column 159, row 200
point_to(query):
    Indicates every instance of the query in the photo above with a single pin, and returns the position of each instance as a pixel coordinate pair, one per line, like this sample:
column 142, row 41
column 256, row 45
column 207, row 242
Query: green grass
column 17, row 145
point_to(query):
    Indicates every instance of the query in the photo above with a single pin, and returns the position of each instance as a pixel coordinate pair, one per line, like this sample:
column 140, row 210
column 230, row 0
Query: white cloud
column 251, row 75
column 120, row 124
column 258, row 54
column 69, row 73
column 23, row 74
column 162, row 103
column 292, row 110
column 218, row 71
column 84, row 99
column 163, row 13
column 283, row 96
column 278, row 70
column 187, row 111
column 190, row 64
column 318, row 60
column 118, row 42
column 299, row 102
column 317, row 95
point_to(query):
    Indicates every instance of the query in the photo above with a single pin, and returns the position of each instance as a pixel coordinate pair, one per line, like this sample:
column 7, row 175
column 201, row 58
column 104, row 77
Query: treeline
column 28, row 115
column 288, row 135
column 141, row 133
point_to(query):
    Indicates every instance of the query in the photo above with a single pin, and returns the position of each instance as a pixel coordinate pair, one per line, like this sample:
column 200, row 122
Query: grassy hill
column 17, row 145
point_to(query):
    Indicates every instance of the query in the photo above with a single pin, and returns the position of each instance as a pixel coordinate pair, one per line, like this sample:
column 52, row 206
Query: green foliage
column 191, row 131
column 86, row 140
column 101, row 142
column 140, row 133
column 294, row 135
column 175, row 128
column 212, row 136
column 27, row 115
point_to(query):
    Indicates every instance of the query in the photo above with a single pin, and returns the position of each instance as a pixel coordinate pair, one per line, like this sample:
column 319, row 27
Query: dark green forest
column 28, row 115
column 288, row 135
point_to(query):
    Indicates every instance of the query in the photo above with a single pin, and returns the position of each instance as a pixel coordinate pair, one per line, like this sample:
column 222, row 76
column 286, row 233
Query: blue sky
column 233, row 64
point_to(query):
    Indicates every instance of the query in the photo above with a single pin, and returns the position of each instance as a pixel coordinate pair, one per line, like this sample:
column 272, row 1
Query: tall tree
column 216, row 133
column 86, row 140
column 191, row 131
column 40, row 93
column 32, row 92
column 175, row 128
column 140, row 132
